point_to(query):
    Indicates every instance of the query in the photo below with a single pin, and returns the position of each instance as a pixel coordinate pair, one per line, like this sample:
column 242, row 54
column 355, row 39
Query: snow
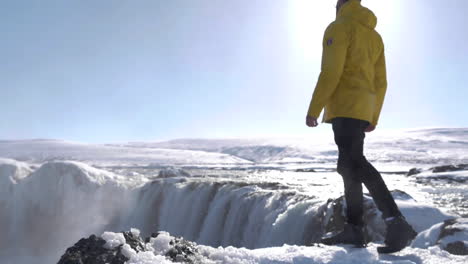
column 161, row 244
column 458, row 176
column 109, row 155
column 142, row 257
column 425, row 147
column 420, row 216
column 73, row 200
column 428, row 237
column 113, row 240
column 135, row 232
column 242, row 200
column 432, row 236
column 317, row 254
column 459, row 236
column 323, row 254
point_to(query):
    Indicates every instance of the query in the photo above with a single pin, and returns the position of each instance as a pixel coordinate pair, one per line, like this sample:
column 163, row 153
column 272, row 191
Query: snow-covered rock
column 129, row 247
column 421, row 217
column 92, row 250
column 451, row 235
column 163, row 248
column 454, row 173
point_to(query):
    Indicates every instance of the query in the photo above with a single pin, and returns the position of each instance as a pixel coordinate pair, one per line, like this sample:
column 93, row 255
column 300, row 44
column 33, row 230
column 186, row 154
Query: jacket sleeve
column 380, row 86
column 335, row 47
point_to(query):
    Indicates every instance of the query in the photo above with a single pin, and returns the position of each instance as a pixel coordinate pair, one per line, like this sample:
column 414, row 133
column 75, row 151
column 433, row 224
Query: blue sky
column 114, row 70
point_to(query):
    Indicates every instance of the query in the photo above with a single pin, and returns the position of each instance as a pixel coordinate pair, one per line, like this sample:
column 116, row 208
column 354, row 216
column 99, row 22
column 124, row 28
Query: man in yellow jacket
column 351, row 88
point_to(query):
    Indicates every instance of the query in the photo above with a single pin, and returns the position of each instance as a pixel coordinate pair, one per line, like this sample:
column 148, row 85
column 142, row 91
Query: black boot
column 399, row 235
column 352, row 234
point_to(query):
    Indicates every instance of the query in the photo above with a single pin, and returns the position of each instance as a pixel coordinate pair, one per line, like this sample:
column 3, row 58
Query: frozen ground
column 316, row 254
column 242, row 201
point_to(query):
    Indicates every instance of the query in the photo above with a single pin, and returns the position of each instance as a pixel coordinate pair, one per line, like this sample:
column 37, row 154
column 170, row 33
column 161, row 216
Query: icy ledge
column 441, row 243
column 161, row 247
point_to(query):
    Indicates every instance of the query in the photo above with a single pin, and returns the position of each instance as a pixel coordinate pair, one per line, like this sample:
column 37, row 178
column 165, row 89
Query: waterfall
column 224, row 213
column 49, row 209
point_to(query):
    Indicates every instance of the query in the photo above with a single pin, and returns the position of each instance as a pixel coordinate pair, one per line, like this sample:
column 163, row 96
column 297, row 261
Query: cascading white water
column 224, row 213
column 47, row 211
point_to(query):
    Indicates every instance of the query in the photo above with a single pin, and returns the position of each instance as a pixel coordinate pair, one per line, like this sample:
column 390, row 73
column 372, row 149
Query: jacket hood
column 354, row 10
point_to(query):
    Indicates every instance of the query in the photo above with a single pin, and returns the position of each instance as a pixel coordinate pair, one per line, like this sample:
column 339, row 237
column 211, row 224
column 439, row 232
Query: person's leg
column 349, row 139
column 356, row 169
column 379, row 191
column 399, row 232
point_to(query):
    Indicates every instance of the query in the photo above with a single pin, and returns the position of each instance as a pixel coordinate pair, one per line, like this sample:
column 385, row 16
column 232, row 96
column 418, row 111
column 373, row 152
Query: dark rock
column 183, row 250
column 401, row 195
column 375, row 230
column 91, row 251
column 438, row 169
column 449, row 168
column 457, row 248
column 413, row 171
column 305, row 170
column 134, row 241
column 153, row 235
column 333, row 216
column 449, row 229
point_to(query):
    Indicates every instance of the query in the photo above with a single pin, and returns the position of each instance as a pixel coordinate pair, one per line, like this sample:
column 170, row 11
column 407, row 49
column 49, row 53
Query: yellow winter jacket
column 353, row 79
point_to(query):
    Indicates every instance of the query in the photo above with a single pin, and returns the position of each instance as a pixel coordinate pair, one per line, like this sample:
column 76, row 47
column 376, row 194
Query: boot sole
column 388, row 250
column 393, row 249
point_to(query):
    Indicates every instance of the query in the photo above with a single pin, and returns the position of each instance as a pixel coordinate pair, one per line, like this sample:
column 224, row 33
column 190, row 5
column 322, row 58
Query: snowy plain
column 241, row 200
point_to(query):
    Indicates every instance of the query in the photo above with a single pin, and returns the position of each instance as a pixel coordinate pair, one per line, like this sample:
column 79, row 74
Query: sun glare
column 308, row 20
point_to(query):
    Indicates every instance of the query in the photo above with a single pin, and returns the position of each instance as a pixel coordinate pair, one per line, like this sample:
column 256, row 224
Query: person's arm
column 380, row 86
column 335, row 47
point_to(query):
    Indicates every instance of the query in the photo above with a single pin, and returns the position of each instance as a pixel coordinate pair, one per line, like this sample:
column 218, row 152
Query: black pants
column 356, row 170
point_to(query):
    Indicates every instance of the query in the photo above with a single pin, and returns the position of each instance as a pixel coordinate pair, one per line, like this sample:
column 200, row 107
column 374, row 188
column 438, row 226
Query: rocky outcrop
column 449, row 168
column 414, row 171
column 448, row 173
column 96, row 250
column 91, row 250
column 334, row 218
column 454, row 236
column 305, row 170
column 419, row 216
column 182, row 251
column 439, row 169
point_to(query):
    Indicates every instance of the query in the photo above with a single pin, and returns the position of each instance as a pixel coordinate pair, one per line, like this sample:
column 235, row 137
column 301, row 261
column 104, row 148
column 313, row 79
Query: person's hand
column 311, row 121
column 370, row 128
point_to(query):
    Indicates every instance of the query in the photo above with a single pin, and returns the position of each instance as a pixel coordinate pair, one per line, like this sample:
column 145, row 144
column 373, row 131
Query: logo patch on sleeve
column 329, row 41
